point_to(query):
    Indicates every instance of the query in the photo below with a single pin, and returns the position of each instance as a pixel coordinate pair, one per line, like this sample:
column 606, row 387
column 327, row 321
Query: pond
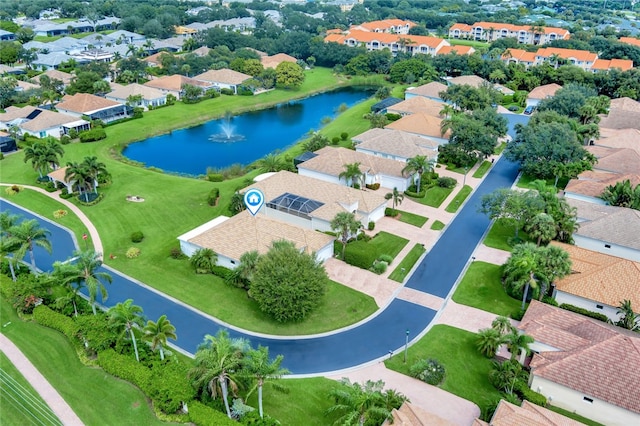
column 244, row 138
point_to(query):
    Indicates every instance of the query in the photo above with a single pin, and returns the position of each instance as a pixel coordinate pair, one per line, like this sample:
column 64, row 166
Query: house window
column 587, row 399
column 607, row 246
column 233, row 262
column 599, row 307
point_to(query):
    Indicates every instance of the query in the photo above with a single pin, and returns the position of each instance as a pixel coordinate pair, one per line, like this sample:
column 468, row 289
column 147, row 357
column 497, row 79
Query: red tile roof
column 630, row 40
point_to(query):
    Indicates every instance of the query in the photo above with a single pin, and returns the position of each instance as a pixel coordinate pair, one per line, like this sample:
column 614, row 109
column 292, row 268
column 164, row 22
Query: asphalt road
column 366, row 342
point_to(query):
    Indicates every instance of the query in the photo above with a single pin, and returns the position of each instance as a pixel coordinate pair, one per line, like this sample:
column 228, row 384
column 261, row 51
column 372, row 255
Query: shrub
column 59, row 213
column 373, row 186
column 549, row 301
column 137, row 237
column 253, row 418
column 585, row 312
column 64, row 194
column 518, row 314
column 335, row 140
column 428, row 370
column 52, row 319
column 239, row 409
column 215, row 177
column 385, row 258
column 379, row 267
column 132, row 252
column 393, row 117
column 221, row 271
column 363, row 237
column 414, row 194
column 202, row 415
column 96, row 332
column 126, row 368
column 533, row 397
column 447, row 182
column 169, row 386
column 93, row 135
column 344, row 136
column 371, row 225
column 390, row 212
column 176, row 253
column 359, row 258
column 227, row 91
column 212, row 198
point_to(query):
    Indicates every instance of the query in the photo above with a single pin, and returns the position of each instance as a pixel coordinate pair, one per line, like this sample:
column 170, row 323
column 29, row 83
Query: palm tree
column 358, row 403
column 270, row 163
column 542, row 227
column 67, row 275
column 204, row 259
column 488, row 342
column 258, row 365
column 216, row 363
column 628, row 319
column 26, row 235
column 44, row 155
column 418, row 165
column 396, row 196
column 79, row 173
column 506, row 375
column 86, row 274
column 520, row 269
column 346, row 225
column 352, row 174
column 95, row 169
column 8, row 221
column 156, row 334
column 517, row 342
column 446, row 111
column 124, row 317
column 502, row 325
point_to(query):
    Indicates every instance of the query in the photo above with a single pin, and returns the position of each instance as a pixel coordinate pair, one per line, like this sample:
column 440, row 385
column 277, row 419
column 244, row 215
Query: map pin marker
column 253, row 199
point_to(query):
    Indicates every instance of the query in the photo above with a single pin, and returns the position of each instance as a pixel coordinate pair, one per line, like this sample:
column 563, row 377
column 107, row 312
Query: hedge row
column 202, row 415
column 93, row 135
column 532, row 396
column 585, row 312
column 126, row 368
column 52, row 319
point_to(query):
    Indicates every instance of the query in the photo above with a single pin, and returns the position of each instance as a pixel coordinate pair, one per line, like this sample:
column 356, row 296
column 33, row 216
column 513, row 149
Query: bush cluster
column 390, row 212
column 64, row 194
column 447, row 182
column 137, row 237
column 221, row 271
column 212, row 198
column 371, row 225
column 585, row 312
column 203, row 415
column 176, row 253
column 379, row 267
column 428, row 370
column 126, row 368
column 215, row 177
column 132, row 252
column 93, row 135
column 533, row 397
column 52, row 319
column 415, row 194
column 373, row 186
column 57, row 214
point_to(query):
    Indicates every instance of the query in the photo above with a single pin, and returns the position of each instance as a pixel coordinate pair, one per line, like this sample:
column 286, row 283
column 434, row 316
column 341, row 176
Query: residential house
column 201, row 51
column 470, row 80
column 231, row 237
column 598, row 282
column 519, row 56
column 392, row 26
column 7, row 35
column 412, row 415
column 382, row 106
column 94, row 107
column 630, row 40
column 311, row 203
column 6, row 69
column 395, row 43
column 24, row 86
column 395, row 144
column 542, row 92
column 556, row 56
column 492, row 31
column 274, row 60
column 624, row 113
column 458, row 50
column 223, row 79
column 508, row 414
column 138, row 95
column 329, row 164
column 430, row 91
column 421, row 124
column 174, row 84
column 416, row 104
column 40, row 122
column 59, row 176
column 7, row 143
column 584, row 366
column 53, row 74
column 126, row 37
column 53, row 60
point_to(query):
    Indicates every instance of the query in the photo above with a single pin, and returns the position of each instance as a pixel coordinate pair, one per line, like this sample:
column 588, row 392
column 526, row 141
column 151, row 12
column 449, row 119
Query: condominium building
column 491, row 31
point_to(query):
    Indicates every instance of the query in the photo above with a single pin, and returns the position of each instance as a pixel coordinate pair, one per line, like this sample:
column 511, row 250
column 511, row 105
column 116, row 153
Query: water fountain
column 227, row 135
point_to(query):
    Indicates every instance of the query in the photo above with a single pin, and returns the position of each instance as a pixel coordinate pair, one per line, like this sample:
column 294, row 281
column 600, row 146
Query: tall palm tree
column 259, row 366
column 36, row 155
column 542, row 227
column 358, row 403
column 346, row 225
column 488, row 342
column 270, row 163
column 216, row 363
column 628, row 319
column 8, row 221
column 156, row 334
column 396, row 196
column 25, row 236
column 95, row 169
column 79, row 173
column 418, row 165
column 352, row 174
column 517, row 342
column 502, row 325
column 66, row 274
column 125, row 316
column 85, row 273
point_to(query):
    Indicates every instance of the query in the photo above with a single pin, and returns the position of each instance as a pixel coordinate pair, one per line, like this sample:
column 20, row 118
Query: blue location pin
column 253, row 199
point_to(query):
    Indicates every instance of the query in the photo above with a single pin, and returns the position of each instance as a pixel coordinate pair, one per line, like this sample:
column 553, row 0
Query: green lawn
column 472, row 43
column 574, row 416
column 526, row 181
column 437, row 225
column 466, row 370
column 20, row 403
column 404, row 267
column 381, row 243
column 411, row 219
column 481, row 287
column 502, row 234
column 500, row 148
column 96, row 397
column 482, row 169
column 434, row 196
column 457, row 201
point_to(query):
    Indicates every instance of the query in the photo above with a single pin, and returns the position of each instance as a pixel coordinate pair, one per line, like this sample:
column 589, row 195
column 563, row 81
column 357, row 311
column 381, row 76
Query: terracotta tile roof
column 421, row 124
column 412, row 415
column 497, row 26
column 396, row 143
column 460, row 50
column 621, row 228
column 619, row 138
column 201, row 51
column 47, row 120
column 470, row 80
column 84, row 103
column 461, row 27
column 545, row 91
column 59, row 75
column 621, row 119
column 147, row 92
column 417, row 104
column 430, row 90
column 619, row 160
column 519, row 55
column 225, row 76
column 385, row 38
column 13, row 112
column 275, row 60
column 591, row 211
column 432, row 42
column 607, row 64
column 331, row 161
column 174, row 82
column 528, row 414
column 335, row 37
column 625, row 103
column 600, row 277
column 334, row 196
column 630, row 40
column 25, row 85
column 579, row 55
column 595, row 183
column 59, row 174
column 385, row 24
column 243, row 233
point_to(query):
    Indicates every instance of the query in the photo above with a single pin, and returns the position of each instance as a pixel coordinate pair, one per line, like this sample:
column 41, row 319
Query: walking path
column 53, row 399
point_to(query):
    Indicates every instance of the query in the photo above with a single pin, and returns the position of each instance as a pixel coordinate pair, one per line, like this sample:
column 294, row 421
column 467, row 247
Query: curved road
column 363, row 343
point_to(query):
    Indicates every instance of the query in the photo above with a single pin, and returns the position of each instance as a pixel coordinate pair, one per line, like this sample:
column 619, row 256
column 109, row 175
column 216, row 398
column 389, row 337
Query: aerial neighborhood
column 291, row 212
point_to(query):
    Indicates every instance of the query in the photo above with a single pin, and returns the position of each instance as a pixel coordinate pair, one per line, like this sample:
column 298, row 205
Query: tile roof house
column 393, row 26
column 430, row 91
column 311, row 203
column 598, row 282
column 231, row 237
column 584, row 59
column 470, row 80
column 630, row 40
column 40, row 122
column 412, row 415
column 64, row 77
column 458, row 50
column 421, row 124
column 625, row 104
column 619, row 118
column 174, row 84
column 330, row 163
column 395, row 43
column 417, row 104
column 274, row 60
column 395, row 144
column 491, row 31
column 223, row 79
column 542, row 92
column 148, row 96
column 95, row 107
column 583, row 365
column 527, row 414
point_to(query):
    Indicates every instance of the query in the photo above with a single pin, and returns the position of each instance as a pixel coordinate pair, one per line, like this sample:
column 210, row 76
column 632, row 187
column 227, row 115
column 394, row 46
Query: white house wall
column 593, row 306
column 287, row 218
column 54, row 132
column 381, row 154
column 571, row 400
column 601, row 247
column 391, row 182
column 319, row 175
column 325, row 252
column 188, row 248
column 585, row 198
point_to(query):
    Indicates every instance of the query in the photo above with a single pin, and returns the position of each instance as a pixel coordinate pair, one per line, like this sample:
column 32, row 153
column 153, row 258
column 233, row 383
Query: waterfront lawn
column 20, row 403
column 467, row 371
column 482, row 169
column 411, row 219
column 481, row 287
column 405, row 266
column 437, row 226
column 95, row 396
column 502, row 235
column 457, row 201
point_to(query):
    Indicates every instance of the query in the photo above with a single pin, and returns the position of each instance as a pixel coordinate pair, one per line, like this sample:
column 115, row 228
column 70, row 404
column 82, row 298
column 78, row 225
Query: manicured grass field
column 457, row 201
column 20, row 403
column 96, row 397
column 437, row 225
column 404, row 267
column 434, row 196
column 411, row 218
column 481, row 287
column 501, row 235
column 466, row 370
column 381, row 243
column 482, row 169
column 525, row 182
column 500, row 148
column 574, row 416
